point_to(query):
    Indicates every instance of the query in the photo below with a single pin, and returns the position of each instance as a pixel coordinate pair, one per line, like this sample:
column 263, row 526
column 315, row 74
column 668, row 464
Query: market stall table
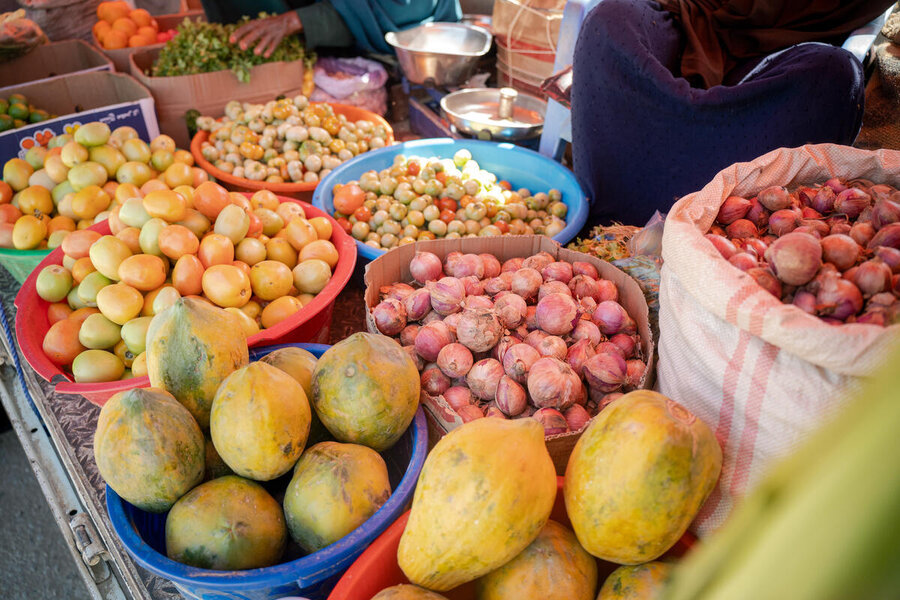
column 57, row 432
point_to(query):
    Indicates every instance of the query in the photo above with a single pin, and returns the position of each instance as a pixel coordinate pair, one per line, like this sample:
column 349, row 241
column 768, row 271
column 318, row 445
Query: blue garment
column 369, row 20
column 643, row 137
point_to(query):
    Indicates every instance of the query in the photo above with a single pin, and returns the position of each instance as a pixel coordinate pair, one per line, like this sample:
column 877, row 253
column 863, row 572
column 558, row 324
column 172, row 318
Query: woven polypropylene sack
column 762, row 374
column 63, row 19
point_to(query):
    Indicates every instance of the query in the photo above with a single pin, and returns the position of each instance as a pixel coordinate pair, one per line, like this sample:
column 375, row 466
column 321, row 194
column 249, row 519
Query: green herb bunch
column 204, row 47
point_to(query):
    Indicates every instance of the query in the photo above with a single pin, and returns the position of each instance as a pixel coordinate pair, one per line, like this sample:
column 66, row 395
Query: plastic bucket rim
column 339, row 552
column 575, row 221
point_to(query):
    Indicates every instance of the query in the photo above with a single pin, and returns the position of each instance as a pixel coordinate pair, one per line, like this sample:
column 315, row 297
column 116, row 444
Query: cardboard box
column 209, row 92
column 393, row 267
column 112, row 98
column 121, row 58
column 50, row 61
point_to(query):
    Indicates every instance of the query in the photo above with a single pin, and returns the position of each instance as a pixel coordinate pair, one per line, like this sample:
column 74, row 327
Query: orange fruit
column 58, row 311
column 125, row 25
column 60, row 223
column 136, row 41
column 81, row 314
column 9, row 213
column 210, row 198
column 110, row 11
column 115, row 39
column 177, row 240
column 271, row 279
column 281, row 250
column 61, row 343
column 215, row 249
column 131, row 236
column 278, row 310
column 78, row 243
column 141, row 17
column 100, row 29
column 187, row 275
column 321, row 249
column 120, row 302
column 154, row 185
column 166, row 205
column 264, row 199
column 226, row 285
column 82, row 267
column 143, row 272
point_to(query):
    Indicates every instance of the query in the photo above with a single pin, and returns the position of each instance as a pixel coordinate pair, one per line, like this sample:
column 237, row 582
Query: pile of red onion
column 831, row 249
column 532, row 337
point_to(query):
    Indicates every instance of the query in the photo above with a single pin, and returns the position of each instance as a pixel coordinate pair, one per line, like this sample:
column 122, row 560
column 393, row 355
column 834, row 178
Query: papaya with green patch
column 335, row 489
column 638, row 476
column 259, row 421
column 148, row 448
column 191, row 347
column 484, row 494
column 554, row 565
column 215, row 466
column 366, row 390
column 226, row 524
column 405, row 591
column 637, row 582
column 300, row 364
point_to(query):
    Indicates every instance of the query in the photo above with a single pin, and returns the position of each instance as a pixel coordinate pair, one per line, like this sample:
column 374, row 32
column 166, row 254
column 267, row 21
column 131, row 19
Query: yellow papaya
column 407, row 592
column 636, row 582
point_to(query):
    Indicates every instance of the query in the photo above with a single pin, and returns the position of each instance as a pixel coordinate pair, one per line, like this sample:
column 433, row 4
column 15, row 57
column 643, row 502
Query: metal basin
column 480, row 112
column 439, row 53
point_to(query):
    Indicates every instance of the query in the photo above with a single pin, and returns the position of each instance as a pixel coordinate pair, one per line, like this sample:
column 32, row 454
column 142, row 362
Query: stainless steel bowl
column 439, row 53
column 497, row 114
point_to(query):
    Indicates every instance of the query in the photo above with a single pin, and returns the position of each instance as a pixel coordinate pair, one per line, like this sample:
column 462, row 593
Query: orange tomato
column 322, row 226
column 270, row 279
column 150, row 298
column 195, row 221
column 143, row 272
column 300, row 232
column 348, row 198
column 321, row 249
column 9, row 213
column 154, row 185
column 61, row 343
column 256, row 225
column 177, row 240
column 210, row 198
column 187, row 275
column 58, row 311
column 250, row 251
column 115, row 223
column 82, row 267
column 60, row 223
column 242, row 266
column 252, row 309
column 120, row 302
column 131, row 237
column 281, row 250
column 240, row 200
column 264, row 199
column 177, row 174
column 200, row 176
column 6, row 193
column 82, row 313
column 166, row 205
column 215, row 249
column 289, row 210
column 78, row 243
column 278, row 310
column 226, row 285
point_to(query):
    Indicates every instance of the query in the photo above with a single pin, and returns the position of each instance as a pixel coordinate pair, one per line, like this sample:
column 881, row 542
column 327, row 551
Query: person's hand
column 266, row 34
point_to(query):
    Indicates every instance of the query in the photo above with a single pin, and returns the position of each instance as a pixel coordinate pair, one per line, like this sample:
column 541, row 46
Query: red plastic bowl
column 309, row 324
column 299, row 190
column 377, row 567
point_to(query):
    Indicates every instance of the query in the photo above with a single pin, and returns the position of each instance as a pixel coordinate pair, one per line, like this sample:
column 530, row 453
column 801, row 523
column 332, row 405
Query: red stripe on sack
column 737, row 299
column 758, row 385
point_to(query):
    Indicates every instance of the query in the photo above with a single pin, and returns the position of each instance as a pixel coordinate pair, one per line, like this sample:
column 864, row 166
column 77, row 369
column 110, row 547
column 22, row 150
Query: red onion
column 836, row 185
column 722, row 244
column 873, row 317
column 608, row 399
column 732, row 209
column 425, row 267
column 478, row 329
column 483, row 378
column 389, row 316
column 455, row 360
column 434, row 382
column 742, row 228
column 609, row 317
column 862, row 233
column 517, row 361
column 556, row 314
column 884, row 213
column 526, row 282
column 823, row 201
column 553, row 384
column 478, row 302
column 881, row 191
column 577, row 417
column 431, row 317
column 890, row 256
column 795, row 257
column 774, row 198
column 447, row 295
column 884, row 300
column 553, row 287
column 743, row 261
column 813, row 231
column 783, row 221
column 452, row 322
column 805, row 301
column 766, row 279
column 586, row 330
column 469, row 413
column 587, row 305
column 511, row 398
column 629, row 326
column 758, row 215
column 810, row 213
column 431, row 339
column 451, row 258
column 872, row 277
column 889, row 236
column 531, row 318
column 506, row 342
column 605, row 372
column 495, row 285
column 492, row 411
column 838, row 298
column 840, row 229
column 553, row 421
column 457, row 397
column 411, row 351
column 510, row 309
column 472, row 285
column 417, row 304
column 895, row 285
column 851, row 202
column 626, row 343
column 396, row 291
column 583, row 286
column 553, row 346
column 586, row 269
column 538, row 261
column 610, row 347
column 512, row 265
column 607, row 291
column 840, row 250
column 491, row 265
column 755, row 246
column 579, row 352
column 408, row 335
column 557, row 271
column 820, row 227
column 634, row 372
column 464, row 265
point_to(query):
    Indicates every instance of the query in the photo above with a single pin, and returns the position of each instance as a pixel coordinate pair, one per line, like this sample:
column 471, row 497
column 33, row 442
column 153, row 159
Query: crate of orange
column 276, row 263
column 120, row 29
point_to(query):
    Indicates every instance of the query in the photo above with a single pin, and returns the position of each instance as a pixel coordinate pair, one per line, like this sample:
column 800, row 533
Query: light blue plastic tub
column 522, row 168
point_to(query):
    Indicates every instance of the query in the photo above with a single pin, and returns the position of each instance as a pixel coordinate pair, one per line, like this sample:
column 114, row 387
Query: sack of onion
column 777, row 298
column 513, row 328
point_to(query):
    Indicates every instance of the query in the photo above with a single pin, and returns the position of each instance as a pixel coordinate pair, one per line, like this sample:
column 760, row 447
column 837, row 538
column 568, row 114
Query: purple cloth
column 642, row 136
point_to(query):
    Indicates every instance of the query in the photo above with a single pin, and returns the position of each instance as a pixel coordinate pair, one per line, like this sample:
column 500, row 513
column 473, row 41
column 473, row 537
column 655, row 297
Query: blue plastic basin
column 522, row 168
column 312, row 576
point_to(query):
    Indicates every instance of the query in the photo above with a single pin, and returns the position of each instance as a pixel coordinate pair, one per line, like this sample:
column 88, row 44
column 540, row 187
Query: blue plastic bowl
column 521, row 167
column 314, row 575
